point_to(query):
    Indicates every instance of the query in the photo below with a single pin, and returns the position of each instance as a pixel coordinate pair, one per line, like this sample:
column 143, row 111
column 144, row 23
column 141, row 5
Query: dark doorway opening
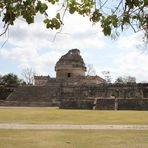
column 69, row 75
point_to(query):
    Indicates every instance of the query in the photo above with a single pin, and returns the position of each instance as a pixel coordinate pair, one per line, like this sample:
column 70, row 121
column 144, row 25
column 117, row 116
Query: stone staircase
column 33, row 96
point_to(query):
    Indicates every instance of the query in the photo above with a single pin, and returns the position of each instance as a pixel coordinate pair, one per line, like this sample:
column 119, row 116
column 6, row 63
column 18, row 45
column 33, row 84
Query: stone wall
column 105, row 104
column 41, row 80
column 70, row 65
column 122, row 104
column 92, row 80
column 33, row 96
column 34, row 93
column 76, row 104
column 5, row 92
column 70, row 89
column 145, row 92
column 102, row 91
column 51, row 103
column 133, row 104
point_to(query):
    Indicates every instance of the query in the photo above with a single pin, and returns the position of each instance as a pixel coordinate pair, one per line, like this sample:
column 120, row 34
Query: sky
column 34, row 46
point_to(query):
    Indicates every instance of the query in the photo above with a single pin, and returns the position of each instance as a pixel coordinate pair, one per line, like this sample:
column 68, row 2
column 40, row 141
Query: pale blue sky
column 33, row 46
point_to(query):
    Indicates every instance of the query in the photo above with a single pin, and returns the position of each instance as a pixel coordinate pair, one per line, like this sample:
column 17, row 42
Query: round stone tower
column 70, row 65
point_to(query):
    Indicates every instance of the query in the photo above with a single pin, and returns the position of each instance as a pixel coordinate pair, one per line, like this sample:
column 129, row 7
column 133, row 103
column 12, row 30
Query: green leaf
column 114, row 20
column 46, row 21
column 52, row 1
column 56, row 23
column 96, row 16
column 107, row 30
column 72, row 10
column 49, row 24
column 38, row 6
column 126, row 19
column 58, row 16
column 30, row 19
column 43, row 8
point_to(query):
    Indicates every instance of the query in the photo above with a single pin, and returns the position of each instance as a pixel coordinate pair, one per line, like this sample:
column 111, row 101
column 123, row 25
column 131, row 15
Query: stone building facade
column 70, row 68
column 73, row 83
column 72, row 88
column 70, row 65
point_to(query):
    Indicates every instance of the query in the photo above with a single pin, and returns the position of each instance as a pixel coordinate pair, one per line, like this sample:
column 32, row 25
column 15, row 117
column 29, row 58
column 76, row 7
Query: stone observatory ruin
column 70, row 65
column 73, row 89
column 70, row 68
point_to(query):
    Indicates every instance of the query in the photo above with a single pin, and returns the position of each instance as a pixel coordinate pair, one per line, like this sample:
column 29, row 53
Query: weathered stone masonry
column 73, row 89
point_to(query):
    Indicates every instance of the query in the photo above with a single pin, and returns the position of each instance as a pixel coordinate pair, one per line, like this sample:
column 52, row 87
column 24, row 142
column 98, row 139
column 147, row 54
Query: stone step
column 29, row 104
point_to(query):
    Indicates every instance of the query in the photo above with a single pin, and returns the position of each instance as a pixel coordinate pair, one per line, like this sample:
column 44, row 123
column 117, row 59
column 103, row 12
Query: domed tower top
column 74, row 51
column 70, row 65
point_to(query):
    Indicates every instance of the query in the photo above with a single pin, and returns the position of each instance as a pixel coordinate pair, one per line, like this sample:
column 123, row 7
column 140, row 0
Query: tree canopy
column 11, row 80
column 110, row 14
column 126, row 79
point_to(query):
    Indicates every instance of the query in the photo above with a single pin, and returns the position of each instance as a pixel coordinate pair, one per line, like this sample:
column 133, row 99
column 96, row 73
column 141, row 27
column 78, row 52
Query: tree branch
column 5, row 40
column 5, row 30
column 62, row 21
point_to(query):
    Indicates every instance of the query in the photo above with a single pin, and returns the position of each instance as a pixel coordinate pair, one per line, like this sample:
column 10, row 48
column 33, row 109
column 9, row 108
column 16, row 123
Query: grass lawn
column 57, row 116
column 73, row 139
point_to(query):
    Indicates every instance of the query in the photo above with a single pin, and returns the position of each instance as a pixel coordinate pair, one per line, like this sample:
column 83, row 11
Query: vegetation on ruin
column 73, row 139
column 59, row 116
column 110, row 14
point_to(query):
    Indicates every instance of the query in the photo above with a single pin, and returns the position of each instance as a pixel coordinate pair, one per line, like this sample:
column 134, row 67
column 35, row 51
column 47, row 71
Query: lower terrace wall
column 105, row 104
column 104, row 91
column 29, row 104
column 110, row 95
column 122, row 104
column 132, row 104
column 76, row 104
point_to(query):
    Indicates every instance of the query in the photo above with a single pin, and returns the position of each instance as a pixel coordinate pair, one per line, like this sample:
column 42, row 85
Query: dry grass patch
column 73, row 139
column 57, row 116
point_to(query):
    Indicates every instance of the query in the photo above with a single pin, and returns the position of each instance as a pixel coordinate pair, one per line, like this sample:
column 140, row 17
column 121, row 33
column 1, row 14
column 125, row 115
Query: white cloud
column 19, row 53
column 33, row 46
column 133, row 64
column 132, row 41
column 76, row 32
column 44, row 64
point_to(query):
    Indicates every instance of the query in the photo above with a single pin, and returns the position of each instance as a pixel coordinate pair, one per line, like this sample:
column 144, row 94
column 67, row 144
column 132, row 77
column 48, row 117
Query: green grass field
column 73, row 139
column 57, row 116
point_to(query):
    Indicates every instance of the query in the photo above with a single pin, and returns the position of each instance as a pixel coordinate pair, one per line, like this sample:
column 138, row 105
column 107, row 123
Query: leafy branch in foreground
column 110, row 14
